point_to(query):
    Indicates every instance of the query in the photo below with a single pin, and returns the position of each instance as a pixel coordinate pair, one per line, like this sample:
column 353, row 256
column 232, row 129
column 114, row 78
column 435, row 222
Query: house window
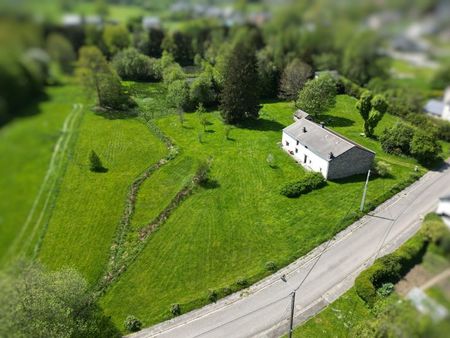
column 287, row 143
column 304, row 160
column 296, row 150
column 298, row 142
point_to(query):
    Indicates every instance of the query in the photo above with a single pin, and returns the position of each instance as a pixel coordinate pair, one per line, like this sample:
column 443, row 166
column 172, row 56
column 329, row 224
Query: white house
column 444, row 209
column 320, row 149
column 439, row 108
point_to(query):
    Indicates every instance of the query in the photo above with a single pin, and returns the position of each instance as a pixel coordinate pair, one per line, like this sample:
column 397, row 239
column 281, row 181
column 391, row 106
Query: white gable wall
column 313, row 162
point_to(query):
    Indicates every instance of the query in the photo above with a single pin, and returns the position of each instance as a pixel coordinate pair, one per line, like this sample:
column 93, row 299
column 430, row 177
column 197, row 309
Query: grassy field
column 231, row 231
column 90, row 205
column 27, row 145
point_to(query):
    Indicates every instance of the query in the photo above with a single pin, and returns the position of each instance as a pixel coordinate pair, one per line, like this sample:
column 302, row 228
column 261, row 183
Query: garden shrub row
column 307, row 184
column 391, row 268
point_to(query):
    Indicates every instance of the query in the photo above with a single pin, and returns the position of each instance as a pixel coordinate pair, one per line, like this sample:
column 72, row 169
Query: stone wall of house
column 352, row 162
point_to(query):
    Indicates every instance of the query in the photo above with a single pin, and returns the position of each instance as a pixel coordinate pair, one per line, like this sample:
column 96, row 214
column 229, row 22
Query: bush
column 175, row 309
column 132, row 65
column 309, row 183
column 271, row 266
column 178, row 95
column 385, row 290
column 227, row 291
column 212, row 296
column 348, row 87
column 365, row 289
column 242, row 282
column 381, row 169
column 397, row 140
column 132, row 324
column 425, row 148
column 202, row 91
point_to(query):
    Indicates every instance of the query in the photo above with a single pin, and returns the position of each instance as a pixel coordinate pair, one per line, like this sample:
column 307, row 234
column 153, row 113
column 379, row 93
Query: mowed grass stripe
column 90, row 205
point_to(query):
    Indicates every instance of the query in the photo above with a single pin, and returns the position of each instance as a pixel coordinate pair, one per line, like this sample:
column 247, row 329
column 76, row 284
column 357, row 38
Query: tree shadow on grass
column 210, row 184
column 262, row 125
column 115, row 114
column 335, row 121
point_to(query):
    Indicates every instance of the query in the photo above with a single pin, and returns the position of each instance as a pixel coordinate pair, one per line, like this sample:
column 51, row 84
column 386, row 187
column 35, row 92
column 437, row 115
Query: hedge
column 391, row 268
column 307, row 184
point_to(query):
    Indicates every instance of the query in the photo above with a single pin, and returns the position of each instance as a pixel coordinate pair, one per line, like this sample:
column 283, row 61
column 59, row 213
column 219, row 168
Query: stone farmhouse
column 320, row 149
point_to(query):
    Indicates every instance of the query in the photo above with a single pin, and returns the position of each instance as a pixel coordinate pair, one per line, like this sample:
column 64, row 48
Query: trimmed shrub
column 242, row 282
column 425, row 148
column 271, row 266
column 390, row 268
column 132, row 65
column 212, row 296
column 132, row 324
column 175, row 309
column 381, row 169
column 307, row 184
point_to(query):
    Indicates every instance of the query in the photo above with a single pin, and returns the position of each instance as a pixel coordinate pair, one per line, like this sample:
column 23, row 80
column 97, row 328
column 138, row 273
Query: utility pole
column 291, row 323
column 365, row 192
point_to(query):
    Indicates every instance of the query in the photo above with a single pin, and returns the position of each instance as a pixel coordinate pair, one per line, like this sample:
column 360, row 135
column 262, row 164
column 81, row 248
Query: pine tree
column 239, row 99
column 95, row 164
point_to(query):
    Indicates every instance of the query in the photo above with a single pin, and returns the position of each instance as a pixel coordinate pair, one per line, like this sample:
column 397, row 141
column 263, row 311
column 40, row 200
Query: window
column 287, row 143
column 298, row 142
column 304, row 160
column 296, row 150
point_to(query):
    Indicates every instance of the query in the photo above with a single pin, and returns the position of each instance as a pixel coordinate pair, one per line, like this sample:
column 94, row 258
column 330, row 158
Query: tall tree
column 372, row 109
column 318, row 95
column 239, row 99
column 95, row 74
column 116, row 38
column 362, row 60
column 37, row 303
column 294, row 78
column 179, row 44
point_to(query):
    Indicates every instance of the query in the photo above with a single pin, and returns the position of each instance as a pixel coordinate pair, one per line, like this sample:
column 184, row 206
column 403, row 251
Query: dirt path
column 436, row 279
column 24, row 241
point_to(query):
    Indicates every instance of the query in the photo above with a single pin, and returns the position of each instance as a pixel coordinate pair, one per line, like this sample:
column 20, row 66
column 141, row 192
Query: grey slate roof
column 300, row 114
column 435, row 107
column 320, row 140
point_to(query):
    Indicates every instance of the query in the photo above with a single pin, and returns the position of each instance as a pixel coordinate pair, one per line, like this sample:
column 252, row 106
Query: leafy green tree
column 179, row 44
column 201, row 113
column 397, row 139
column 202, row 90
column 94, row 73
column 372, row 109
column 424, row 147
column 101, row 8
column 37, row 303
column 116, row 38
column 132, row 65
column 239, row 99
column 362, row 60
column 61, row 51
column 318, row 95
column 294, row 77
column 178, row 95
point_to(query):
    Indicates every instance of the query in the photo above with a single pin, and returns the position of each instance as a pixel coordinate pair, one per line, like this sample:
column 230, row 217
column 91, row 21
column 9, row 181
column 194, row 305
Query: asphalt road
column 263, row 310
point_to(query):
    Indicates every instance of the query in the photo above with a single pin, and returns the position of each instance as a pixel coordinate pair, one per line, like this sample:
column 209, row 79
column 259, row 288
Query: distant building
column 439, row 108
column 149, row 22
column 72, row 20
column 320, row 149
column 444, row 209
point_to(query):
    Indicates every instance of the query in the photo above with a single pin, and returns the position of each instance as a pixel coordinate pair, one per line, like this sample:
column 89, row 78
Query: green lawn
column 90, row 205
column 337, row 319
column 27, row 145
column 219, row 235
